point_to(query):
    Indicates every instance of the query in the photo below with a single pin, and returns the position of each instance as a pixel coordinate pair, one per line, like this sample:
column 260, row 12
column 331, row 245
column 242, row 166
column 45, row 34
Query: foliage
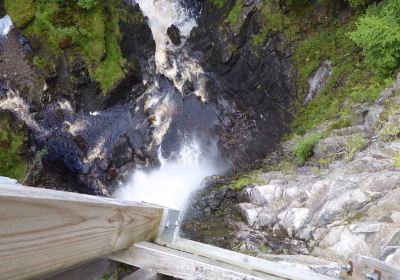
column 303, row 149
column 245, row 179
column 87, row 4
column 89, row 27
column 397, row 161
column 356, row 143
column 353, row 81
column 218, row 3
column 389, row 133
column 21, row 11
column 11, row 142
column 233, row 15
column 378, row 33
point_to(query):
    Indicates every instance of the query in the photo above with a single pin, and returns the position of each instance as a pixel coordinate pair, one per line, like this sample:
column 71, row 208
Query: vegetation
column 397, row 161
column 218, row 3
column 378, row 33
column 356, row 143
column 245, row 179
column 303, row 149
column 233, row 15
column 21, row 11
column 90, row 27
column 11, row 142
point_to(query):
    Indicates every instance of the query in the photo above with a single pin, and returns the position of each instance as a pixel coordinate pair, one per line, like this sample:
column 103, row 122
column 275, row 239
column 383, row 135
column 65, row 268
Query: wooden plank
column 363, row 265
column 243, row 261
column 142, row 274
column 183, row 265
column 42, row 231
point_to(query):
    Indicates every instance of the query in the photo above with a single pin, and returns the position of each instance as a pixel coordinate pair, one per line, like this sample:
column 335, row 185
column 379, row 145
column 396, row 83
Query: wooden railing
column 43, row 231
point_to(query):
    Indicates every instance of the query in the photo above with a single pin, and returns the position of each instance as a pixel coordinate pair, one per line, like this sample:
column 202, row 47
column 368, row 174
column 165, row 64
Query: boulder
column 122, row 151
column 318, row 80
column 174, row 35
column 262, row 195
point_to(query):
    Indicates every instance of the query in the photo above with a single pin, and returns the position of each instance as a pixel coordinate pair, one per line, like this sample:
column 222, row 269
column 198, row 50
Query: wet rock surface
column 346, row 207
column 174, row 34
column 255, row 82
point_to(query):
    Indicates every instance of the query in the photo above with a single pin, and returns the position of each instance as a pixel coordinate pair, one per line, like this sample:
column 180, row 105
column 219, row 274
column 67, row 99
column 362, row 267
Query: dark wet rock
column 174, row 35
column 122, row 151
column 24, row 43
column 255, row 82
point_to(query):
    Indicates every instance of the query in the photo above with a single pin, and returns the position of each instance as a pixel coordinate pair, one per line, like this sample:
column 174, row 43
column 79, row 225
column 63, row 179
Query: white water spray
column 5, row 25
column 178, row 177
column 172, row 184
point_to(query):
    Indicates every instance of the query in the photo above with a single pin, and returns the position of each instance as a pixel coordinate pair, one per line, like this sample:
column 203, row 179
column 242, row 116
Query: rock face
column 174, row 34
column 255, row 82
column 318, row 80
column 349, row 206
column 85, row 151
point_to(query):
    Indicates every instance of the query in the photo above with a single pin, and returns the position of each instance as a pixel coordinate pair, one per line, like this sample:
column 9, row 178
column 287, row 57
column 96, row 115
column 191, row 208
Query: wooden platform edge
column 190, row 262
column 42, row 231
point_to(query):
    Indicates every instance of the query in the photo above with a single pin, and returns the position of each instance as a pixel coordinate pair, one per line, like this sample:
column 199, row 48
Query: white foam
column 172, row 184
column 5, row 25
column 15, row 103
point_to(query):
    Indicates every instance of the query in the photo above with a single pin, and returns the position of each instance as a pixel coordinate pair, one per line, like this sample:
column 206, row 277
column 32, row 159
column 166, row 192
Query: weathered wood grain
column 44, row 230
column 363, row 265
column 244, row 261
column 183, row 265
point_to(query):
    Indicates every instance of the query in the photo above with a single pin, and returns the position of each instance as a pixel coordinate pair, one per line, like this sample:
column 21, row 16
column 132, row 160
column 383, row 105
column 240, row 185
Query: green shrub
column 378, row 34
column 87, row 4
column 389, row 133
column 397, row 161
column 356, row 143
column 244, row 180
column 303, row 149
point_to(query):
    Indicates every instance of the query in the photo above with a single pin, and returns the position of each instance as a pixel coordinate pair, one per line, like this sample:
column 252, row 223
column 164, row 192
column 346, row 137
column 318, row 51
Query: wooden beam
column 365, row 265
column 42, row 231
column 183, row 265
column 143, row 274
column 244, row 261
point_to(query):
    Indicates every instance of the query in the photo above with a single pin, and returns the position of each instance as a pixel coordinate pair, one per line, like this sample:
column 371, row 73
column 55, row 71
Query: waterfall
column 5, row 25
column 181, row 174
column 175, row 180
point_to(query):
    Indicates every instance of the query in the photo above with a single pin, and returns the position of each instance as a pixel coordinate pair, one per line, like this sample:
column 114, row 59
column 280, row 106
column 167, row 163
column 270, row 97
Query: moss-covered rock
column 22, row 12
column 12, row 138
column 88, row 32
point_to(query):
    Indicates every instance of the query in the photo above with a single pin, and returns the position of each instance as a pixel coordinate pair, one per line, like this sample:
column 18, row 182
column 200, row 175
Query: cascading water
column 172, row 183
column 179, row 175
column 5, row 25
column 179, row 123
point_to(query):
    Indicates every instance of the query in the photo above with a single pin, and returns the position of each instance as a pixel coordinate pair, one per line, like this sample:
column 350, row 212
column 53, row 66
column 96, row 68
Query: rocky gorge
column 262, row 121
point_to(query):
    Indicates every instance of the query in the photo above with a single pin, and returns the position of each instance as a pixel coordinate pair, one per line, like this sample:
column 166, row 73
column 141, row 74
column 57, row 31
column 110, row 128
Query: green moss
column 356, row 143
column 304, row 148
column 397, row 161
column 271, row 19
column 389, row 133
column 218, row 3
column 11, row 141
column 90, row 29
column 234, row 14
column 245, row 179
column 352, row 80
column 21, row 11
